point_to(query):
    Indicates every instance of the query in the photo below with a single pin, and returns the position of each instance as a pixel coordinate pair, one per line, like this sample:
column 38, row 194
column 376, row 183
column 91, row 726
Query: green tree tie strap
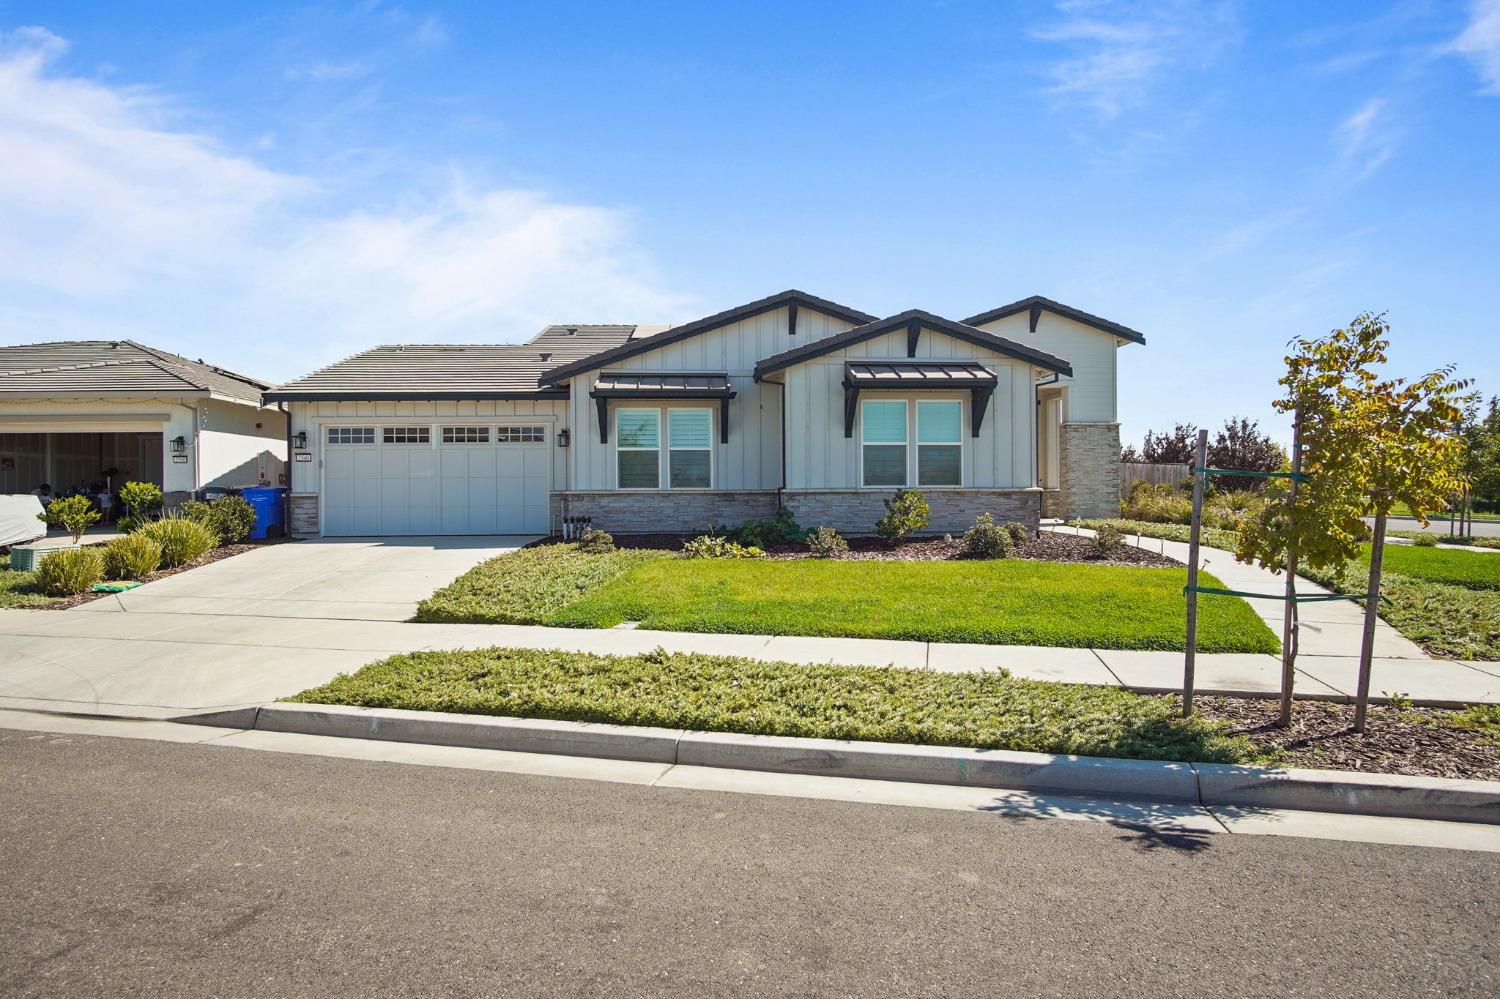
column 1300, row 598
column 1246, row 474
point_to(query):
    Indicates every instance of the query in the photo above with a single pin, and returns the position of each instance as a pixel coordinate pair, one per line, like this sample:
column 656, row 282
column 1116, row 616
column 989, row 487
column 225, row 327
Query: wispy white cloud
column 1118, row 51
column 1480, row 41
column 115, row 214
column 1366, row 138
column 324, row 70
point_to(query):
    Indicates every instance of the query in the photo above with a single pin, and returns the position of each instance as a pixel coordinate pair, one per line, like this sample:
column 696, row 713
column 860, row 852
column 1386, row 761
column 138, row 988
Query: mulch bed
column 1412, row 741
column 1043, row 547
column 216, row 555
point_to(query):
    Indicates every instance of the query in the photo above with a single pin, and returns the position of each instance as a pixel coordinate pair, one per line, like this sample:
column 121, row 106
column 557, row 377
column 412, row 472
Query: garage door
column 467, row 478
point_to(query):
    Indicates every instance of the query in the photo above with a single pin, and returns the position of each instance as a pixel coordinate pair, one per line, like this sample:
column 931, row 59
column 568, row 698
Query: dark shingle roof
column 121, row 367
column 453, row 371
column 903, row 374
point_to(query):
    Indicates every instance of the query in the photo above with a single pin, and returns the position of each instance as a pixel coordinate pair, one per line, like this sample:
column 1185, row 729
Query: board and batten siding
column 312, row 417
column 819, row 456
column 1091, row 395
column 752, row 458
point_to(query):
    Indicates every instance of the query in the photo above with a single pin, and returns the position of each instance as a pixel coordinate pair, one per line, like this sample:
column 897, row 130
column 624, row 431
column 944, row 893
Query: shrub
column 596, row 542
column 987, row 539
column 130, row 523
column 194, row 510
column 1226, row 510
column 131, row 556
column 181, row 540
column 74, row 514
column 904, row 513
column 1107, row 538
column 231, row 519
column 711, row 546
column 779, row 529
column 1019, row 535
column 141, row 498
column 1157, row 503
column 69, row 571
column 1425, row 540
column 825, row 542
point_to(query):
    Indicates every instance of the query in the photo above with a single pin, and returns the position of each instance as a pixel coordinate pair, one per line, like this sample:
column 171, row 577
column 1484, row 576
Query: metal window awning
column 862, row 376
column 649, row 385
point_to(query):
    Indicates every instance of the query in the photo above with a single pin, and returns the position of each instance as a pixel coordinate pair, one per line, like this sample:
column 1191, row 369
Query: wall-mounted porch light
column 563, row 437
column 299, row 440
column 179, row 444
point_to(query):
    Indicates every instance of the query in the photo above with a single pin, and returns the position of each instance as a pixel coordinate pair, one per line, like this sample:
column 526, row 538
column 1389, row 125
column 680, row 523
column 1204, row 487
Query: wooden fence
column 1132, row 472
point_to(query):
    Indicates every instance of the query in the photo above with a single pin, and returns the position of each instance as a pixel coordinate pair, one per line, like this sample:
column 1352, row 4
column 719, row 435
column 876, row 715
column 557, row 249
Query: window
column 351, row 435
column 521, row 435
column 883, row 442
column 466, row 435
column 638, row 448
column 407, row 435
column 689, row 448
column 940, row 449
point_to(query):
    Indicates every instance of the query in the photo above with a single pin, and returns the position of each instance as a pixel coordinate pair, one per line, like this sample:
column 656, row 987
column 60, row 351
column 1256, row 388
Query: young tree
column 1482, row 438
column 1128, row 453
column 1174, row 447
column 1368, row 443
column 1242, row 445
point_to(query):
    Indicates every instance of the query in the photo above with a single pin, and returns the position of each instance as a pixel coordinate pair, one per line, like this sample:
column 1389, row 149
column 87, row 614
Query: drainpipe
column 286, row 501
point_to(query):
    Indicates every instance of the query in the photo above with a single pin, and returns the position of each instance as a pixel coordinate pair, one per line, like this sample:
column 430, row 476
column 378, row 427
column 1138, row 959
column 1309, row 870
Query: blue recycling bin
column 270, row 506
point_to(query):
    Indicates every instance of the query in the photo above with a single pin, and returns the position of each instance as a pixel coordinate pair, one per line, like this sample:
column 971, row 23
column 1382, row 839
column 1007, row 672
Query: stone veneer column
column 1089, row 454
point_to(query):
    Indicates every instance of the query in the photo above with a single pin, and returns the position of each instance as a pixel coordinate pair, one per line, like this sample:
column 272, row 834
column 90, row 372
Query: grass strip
column 728, row 694
column 18, row 589
column 526, row 586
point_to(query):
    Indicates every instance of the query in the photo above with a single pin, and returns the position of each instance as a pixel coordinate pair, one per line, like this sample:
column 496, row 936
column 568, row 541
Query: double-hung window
column 883, row 442
column 689, row 448
column 638, row 447
column 940, row 450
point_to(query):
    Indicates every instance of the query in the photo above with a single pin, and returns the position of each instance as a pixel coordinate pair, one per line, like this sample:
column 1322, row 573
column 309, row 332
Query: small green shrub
column 1157, row 503
column 779, row 529
column 74, row 514
column 1425, row 540
column 596, row 542
column 711, row 546
column 1107, row 538
column 193, row 510
column 825, row 542
column 904, row 513
column 231, row 519
column 987, row 539
column 141, row 498
column 68, row 571
column 1019, row 535
column 131, row 556
column 130, row 523
column 181, row 540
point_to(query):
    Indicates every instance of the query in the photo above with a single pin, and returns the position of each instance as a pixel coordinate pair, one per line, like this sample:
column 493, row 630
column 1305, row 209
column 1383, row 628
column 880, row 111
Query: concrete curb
column 1205, row 784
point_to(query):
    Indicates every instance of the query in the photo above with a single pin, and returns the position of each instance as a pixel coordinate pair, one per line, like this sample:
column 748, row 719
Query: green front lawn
column 1473, row 570
column 1005, row 602
column 726, row 694
column 18, row 589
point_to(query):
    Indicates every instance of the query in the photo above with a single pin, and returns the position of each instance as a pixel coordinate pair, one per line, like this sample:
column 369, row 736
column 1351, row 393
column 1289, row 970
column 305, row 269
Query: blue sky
column 272, row 188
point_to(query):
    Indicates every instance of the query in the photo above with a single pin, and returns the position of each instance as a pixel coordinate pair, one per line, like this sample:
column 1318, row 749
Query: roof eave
column 413, row 395
column 1058, row 308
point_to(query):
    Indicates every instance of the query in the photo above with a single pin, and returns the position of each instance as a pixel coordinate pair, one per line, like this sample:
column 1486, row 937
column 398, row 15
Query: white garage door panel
column 396, row 489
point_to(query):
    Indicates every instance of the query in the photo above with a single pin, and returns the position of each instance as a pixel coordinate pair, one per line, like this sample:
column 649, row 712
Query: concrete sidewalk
column 164, row 664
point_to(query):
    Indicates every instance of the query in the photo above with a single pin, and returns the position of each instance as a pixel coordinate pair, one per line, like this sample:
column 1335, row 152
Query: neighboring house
column 790, row 400
column 71, row 412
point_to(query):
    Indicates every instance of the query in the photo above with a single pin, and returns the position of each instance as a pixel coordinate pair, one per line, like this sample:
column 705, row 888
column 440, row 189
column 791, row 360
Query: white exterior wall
column 1091, row 395
column 819, row 456
column 312, row 417
column 234, row 451
column 172, row 416
column 752, row 458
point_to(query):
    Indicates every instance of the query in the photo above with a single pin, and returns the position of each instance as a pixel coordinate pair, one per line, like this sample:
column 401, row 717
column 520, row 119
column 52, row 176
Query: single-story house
column 791, row 400
column 73, row 412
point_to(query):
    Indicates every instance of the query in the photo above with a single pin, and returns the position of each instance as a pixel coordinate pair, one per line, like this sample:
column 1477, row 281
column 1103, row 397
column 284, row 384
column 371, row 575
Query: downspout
column 286, row 500
column 781, row 489
column 1036, row 429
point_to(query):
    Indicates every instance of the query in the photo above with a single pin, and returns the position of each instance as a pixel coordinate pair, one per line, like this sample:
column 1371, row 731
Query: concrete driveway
column 246, row 630
column 349, row 579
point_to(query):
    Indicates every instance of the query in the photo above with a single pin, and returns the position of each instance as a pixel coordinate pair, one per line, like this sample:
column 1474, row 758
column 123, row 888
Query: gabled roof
column 638, row 345
column 117, row 367
column 911, row 317
column 1066, row 311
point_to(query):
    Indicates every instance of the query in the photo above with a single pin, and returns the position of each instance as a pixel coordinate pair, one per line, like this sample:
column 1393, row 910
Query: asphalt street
column 134, row 867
